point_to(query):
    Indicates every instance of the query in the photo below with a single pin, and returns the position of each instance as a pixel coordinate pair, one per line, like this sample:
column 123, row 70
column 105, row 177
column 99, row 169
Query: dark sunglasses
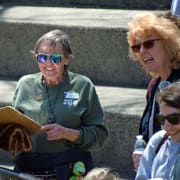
column 146, row 44
column 54, row 58
column 172, row 118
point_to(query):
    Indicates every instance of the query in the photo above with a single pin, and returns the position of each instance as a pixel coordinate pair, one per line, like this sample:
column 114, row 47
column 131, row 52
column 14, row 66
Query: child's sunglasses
column 146, row 44
column 54, row 58
column 172, row 118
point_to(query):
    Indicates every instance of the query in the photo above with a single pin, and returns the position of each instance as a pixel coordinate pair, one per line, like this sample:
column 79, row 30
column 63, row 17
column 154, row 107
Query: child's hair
column 102, row 173
column 170, row 95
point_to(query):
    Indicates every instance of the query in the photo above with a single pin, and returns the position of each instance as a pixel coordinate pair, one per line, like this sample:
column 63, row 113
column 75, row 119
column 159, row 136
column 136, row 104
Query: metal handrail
column 6, row 173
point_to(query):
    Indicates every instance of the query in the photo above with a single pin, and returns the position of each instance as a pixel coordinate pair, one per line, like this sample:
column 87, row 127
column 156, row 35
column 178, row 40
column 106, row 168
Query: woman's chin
column 50, row 74
column 176, row 137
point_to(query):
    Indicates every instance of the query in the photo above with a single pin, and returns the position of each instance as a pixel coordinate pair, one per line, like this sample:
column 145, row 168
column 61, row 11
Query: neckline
column 52, row 117
column 42, row 81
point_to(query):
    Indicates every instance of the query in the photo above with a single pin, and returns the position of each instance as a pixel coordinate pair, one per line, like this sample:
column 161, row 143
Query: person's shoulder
column 153, row 83
column 160, row 133
column 79, row 78
column 158, row 136
column 29, row 77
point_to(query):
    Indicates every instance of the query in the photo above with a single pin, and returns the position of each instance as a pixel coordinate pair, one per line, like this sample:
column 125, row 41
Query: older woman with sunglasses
column 67, row 107
column 164, row 146
column 155, row 42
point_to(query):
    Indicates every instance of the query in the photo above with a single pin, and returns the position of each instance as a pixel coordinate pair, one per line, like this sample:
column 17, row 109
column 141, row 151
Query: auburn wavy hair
column 147, row 24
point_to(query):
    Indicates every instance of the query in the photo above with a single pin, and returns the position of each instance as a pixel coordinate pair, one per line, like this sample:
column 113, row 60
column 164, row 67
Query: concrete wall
column 100, row 53
column 118, row 148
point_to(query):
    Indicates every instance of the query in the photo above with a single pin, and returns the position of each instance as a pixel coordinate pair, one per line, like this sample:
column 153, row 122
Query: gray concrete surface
column 127, row 101
column 122, row 107
column 79, row 17
column 128, row 4
column 98, row 39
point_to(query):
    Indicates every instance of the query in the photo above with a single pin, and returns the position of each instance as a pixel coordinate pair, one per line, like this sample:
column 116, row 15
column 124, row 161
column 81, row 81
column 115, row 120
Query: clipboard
column 9, row 115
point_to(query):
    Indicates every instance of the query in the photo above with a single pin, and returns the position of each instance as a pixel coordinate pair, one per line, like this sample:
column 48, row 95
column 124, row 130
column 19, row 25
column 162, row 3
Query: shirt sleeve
column 146, row 161
column 93, row 131
column 175, row 174
column 17, row 94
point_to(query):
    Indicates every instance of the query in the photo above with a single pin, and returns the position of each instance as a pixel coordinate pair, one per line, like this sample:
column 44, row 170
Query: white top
column 158, row 165
column 175, row 7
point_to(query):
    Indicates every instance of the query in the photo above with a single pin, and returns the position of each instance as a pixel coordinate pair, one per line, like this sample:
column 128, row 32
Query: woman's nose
column 167, row 125
column 142, row 49
column 48, row 60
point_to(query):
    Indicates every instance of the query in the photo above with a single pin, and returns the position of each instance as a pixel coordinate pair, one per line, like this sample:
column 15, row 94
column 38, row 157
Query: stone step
column 123, row 4
column 98, row 39
column 113, row 99
column 122, row 107
column 99, row 43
